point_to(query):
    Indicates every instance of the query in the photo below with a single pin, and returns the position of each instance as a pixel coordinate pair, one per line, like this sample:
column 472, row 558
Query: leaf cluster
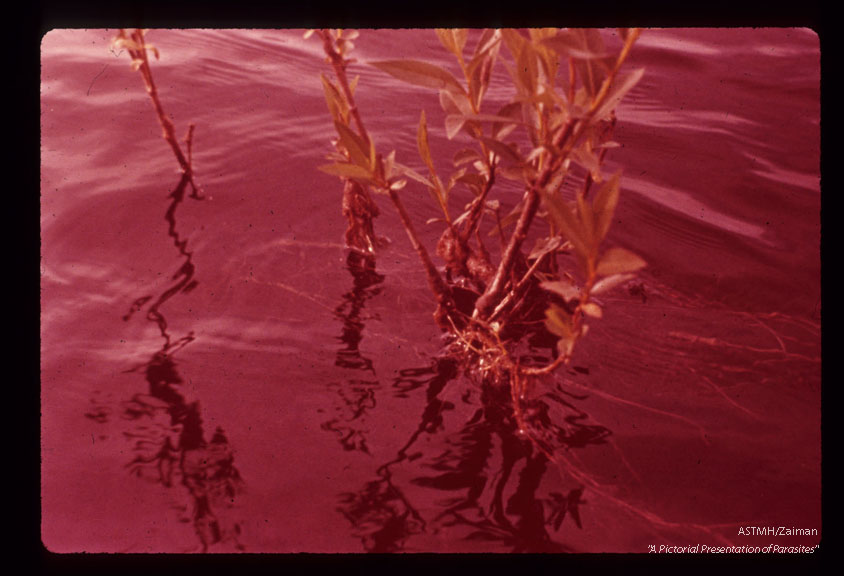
column 550, row 136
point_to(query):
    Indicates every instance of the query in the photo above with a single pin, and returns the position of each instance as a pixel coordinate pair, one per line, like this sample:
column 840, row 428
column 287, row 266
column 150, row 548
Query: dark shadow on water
column 486, row 480
column 170, row 448
column 481, row 483
column 366, row 285
column 357, row 395
column 168, row 438
column 519, row 521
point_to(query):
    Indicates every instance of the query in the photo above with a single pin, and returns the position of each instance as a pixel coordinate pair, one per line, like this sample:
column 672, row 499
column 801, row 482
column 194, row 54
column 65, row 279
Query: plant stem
column 166, row 124
column 435, row 281
column 477, row 207
column 519, row 289
column 488, row 299
column 564, row 141
column 339, row 64
column 358, row 206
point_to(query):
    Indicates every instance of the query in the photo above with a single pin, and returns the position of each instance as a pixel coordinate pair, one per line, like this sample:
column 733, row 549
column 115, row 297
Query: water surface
column 216, row 376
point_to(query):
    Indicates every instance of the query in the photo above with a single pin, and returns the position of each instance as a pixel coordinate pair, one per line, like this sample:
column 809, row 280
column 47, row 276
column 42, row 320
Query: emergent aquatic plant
column 135, row 44
column 551, row 136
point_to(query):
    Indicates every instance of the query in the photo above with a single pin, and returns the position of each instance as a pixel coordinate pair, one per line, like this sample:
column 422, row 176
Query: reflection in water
column 169, row 440
column 496, row 500
column 715, row 416
column 519, row 522
column 366, row 286
column 184, row 277
column 480, row 463
column 381, row 513
column 358, row 394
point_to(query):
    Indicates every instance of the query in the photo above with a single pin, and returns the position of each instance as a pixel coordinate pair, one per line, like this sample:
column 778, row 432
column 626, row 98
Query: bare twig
column 136, row 46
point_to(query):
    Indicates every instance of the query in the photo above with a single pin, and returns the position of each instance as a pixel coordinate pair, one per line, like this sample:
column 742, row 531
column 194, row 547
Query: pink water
column 215, row 378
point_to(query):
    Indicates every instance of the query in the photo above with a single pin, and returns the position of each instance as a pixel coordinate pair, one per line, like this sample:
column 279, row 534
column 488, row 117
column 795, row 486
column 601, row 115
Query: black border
column 38, row 18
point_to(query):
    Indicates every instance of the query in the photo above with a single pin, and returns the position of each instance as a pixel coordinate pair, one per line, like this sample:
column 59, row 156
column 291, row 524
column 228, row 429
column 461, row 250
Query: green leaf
column 126, row 42
column 586, row 48
column 539, row 34
column 504, row 151
column 571, row 44
column 421, row 74
column 465, row 156
column 453, row 124
column 354, row 144
column 621, row 86
column 556, row 181
column 564, row 289
column 513, row 114
column 495, row 118
column 460, row 37
column 592, row 40
column 591, row 309
column 424, row 151
column 587, row 221
column 455, row 103
column 480, row 68
column 447, row 40
column 454, row 39
column 512, row 217
column 402, row 169
column 619, row 261
column 588, row 78
column 610, row 282
column 558, row 322
column 389, row 165
column 336, row 103
column 474, row 181
column 565, row 221
column 604, row 205
column 348, row 171
column 452, row 180
column 489, row 38
column 532, row 118
column 545, row 245
column 422, row 144
column 514, row 40
column 527, row 69
column 566, row 345
column 550, row 64
column 588, row 160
